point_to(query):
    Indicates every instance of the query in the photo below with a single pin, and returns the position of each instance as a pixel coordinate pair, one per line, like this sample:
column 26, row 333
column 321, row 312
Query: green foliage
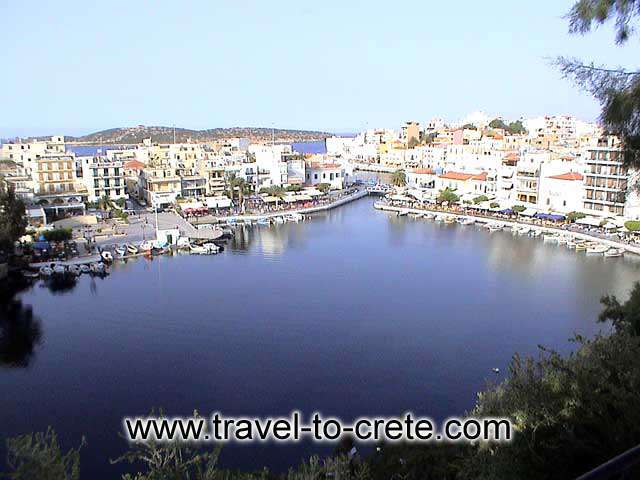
column 469, row 126
column 38, row 456
column 429, row 461
column 573, row 216
column 399, row 178
column 480, row 199
column 624, row 317
column 413, row 142
column 632, row 225
column 13, row 220
column 494, row 205
column 447, row 195
column 518, row 208
column 58, row 235
column 338, row 468
column 324, row 187
column 294, row 188
column 570, row 414
column 516, row 127
column 617, row 90
column 498, row 123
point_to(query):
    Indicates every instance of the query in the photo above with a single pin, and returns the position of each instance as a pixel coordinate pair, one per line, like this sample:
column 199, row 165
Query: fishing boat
column 429, row 216
column 535, row 233
column 59, row 270
column 74, row 270
column 45, row 271
column 614, row 252
column 466, row 221
column 562, row 240
column 494, row 227
column 146, row 247
column 295, row 217
column 85, row 268
column 132, row 249
column 449, row 219
column 571, row 244
column 211, row 247
column 581, row 246
column 198, row 250
column 263, row 221
column 524, row 230
column 597, row 249
column 550, row 237
column 402, row 213
column 106, row 256
column 121, row 250
column 97, row 268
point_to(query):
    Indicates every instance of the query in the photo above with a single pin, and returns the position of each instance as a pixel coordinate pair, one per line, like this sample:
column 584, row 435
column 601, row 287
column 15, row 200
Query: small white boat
column 550, row 237
column 106, row 256
column 535, row 233
column 515, row 229
column 278, row 219
column 580, row 246
column 183, row 242
column 494, row 227
column 429, row 216
column 562, row 240
column 97, row 267
column 85, row 268
column 59, row 269
column 614, row 252
column 211, row 247
column 263, row 221
column 46, row 271
column 198, row 250
column 402, row 213
column 74, row 270
column 449, row 219
column 132, row 249
column 294, row 217
column 571, row 244
column 597, row 249
column 121, row 250
column 145, row 246
column 524, row 231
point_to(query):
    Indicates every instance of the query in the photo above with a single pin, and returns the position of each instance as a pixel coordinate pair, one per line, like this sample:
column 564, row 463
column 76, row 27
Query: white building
column 103, row 178
column 331, row 173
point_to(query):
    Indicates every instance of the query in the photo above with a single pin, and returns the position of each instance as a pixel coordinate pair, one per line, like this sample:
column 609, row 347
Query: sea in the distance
column 352, row 312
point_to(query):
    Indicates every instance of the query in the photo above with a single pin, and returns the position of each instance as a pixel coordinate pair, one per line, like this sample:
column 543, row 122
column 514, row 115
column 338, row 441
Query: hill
column 135, row 135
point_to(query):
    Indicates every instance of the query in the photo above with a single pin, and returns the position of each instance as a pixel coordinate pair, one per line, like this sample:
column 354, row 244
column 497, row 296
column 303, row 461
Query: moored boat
column 132, row 249
column 597, row 249
column 74, row 270
column 614, row 252
column 85, row 268
column 106, row 256
column 45, row 271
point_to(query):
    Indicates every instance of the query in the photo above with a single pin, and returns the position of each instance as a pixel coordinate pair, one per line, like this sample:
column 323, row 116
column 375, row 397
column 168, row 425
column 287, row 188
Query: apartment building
column 331, row 173
column 103, row 177
column 607, row 183
column 26, row 154
column 160, row 185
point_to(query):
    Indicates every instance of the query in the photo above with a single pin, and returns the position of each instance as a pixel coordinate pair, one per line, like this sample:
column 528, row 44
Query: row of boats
column 590, row 247
column 58, row 269
column 280, row 219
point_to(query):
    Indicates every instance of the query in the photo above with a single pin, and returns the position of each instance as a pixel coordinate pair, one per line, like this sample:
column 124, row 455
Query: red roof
column 482, row 176
column 568, row 176
column 320, row 166
column 424, row 171
column 456, row 176
column 134, row 165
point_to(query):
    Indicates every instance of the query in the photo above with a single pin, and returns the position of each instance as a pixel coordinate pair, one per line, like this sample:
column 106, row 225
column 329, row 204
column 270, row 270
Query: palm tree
column 399, row 179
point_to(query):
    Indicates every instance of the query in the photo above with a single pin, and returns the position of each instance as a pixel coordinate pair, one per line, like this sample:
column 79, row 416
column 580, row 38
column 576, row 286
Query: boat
column 45, row 271
column 535, row 233
column 211, row 247
column 597, row 249
column 263, row 221
column 278, row 219
column 106, row 256
column 85, row 268
column 494, row 227
column 515, row 229
column 146, row 247
column 97, row 267
column 614, row 252
column 402, row 213
column 449, row 219
column 551, row 237
column 132, row 249
column 198, row 250
column 524, row 231
column 562, row 240
column 59, row 269
column 74, row 270
column 121, row 250
column 571, row 244
column 466, row 221
column 295, row 217
column 429, row 216
column 580, row 246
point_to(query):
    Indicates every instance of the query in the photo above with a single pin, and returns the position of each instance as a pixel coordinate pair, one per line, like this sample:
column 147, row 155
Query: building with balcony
column 160, row 185
column 103, row 178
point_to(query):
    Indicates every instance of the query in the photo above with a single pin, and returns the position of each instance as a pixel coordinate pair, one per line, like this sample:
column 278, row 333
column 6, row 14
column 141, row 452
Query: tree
column 480, row 199
column 632, row 225
column 624, row 317
column 516, row 127
column 324, row 187
column 498, row 123
column 294, row 188
column 13, row 220
column 518, row 208
column 399, row 179
column 39, row 456
column 447, row 195
column 413, row 142
column 616, row 89
column 58, row 235
column 469, row 126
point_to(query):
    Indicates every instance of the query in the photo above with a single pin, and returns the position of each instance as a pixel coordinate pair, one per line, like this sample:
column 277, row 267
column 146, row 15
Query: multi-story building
column 103, row 178
column 331, row 173
column 608, row 183
column 160, row 185
column 26, row 154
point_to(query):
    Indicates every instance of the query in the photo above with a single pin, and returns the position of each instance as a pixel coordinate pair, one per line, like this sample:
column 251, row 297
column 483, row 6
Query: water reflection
column 20, row 332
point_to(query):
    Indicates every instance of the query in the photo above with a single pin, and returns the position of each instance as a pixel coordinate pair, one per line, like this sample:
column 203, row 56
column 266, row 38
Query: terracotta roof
column 456, row 176
column 512, row 156
column 424, row 171
column 568, row 176
column 480, row 176
column 134, row 165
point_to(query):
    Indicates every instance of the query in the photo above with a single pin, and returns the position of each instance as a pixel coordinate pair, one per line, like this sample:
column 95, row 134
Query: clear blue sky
column 79, row 66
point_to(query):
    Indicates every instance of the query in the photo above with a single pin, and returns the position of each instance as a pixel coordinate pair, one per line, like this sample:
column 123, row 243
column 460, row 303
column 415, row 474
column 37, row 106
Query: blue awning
column 506, row 211
column 550, row 216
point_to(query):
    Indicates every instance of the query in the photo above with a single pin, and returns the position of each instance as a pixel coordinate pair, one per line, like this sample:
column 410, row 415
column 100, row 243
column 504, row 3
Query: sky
column 74, row 67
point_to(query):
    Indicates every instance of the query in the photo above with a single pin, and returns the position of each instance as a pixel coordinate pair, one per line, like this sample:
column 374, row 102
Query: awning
column 610, row 226
column 270, row 199
column 402, row 198
column 529, row 212
column 589, row 221
column 506, row 211
column 550, row 216
column 218, row 202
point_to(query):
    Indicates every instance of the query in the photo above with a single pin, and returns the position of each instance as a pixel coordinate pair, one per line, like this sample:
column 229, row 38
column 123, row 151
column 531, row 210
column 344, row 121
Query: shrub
column 494, row 205
column 573, row 216
column 480, row 199
column 519, row 208
column 58, row 235
column 632, row 225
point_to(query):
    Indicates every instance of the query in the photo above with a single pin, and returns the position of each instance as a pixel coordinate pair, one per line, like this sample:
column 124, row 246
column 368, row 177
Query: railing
column 619, row 465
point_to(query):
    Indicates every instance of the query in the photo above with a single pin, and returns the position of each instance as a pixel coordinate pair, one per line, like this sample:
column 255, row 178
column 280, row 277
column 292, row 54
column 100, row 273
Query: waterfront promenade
column 381, row 205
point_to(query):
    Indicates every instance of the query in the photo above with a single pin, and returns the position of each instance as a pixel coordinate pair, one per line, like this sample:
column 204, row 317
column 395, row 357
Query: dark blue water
column 355, row 312
column 310, row 147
